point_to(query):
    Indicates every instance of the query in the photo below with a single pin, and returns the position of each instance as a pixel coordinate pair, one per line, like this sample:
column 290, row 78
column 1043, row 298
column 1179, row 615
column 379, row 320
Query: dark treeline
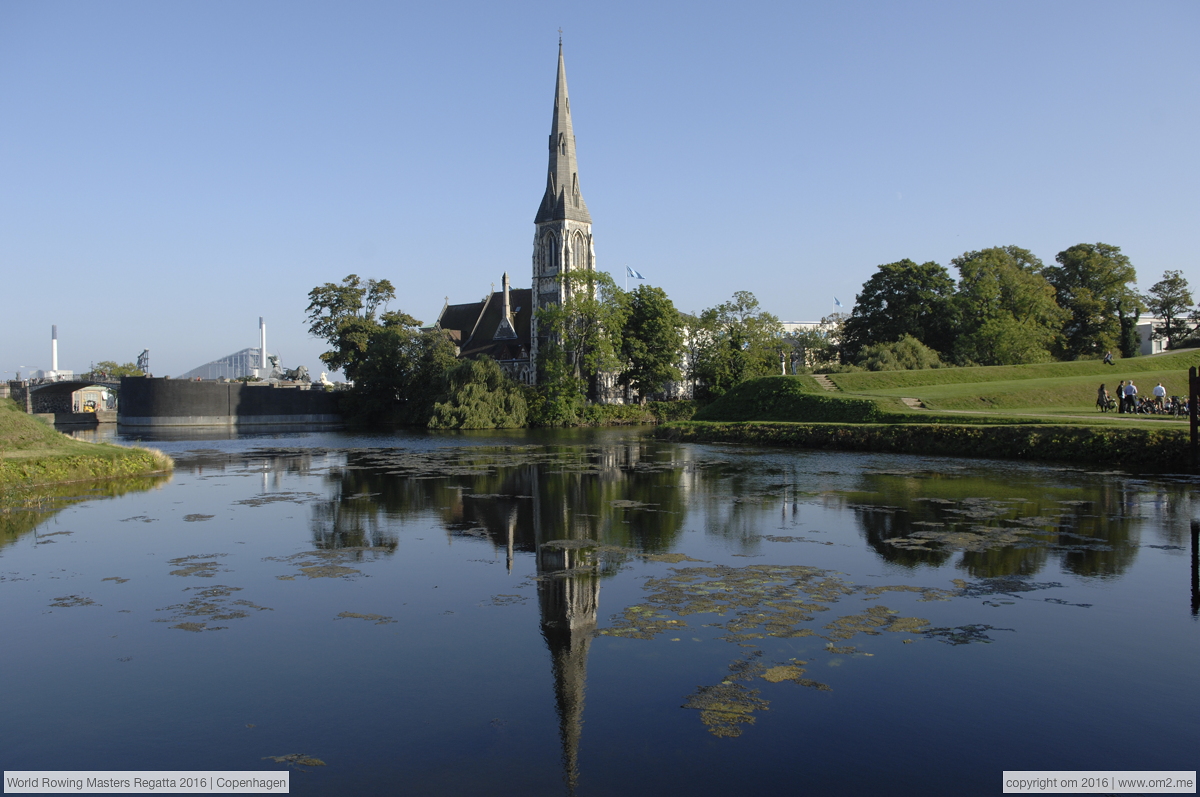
column 1007, row 308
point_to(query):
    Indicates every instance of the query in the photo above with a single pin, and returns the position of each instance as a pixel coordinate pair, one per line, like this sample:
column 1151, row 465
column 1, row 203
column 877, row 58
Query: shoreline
column 1154, row 449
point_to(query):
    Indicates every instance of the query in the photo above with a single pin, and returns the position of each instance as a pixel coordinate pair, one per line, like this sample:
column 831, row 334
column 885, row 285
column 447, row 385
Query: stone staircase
column 825, row 382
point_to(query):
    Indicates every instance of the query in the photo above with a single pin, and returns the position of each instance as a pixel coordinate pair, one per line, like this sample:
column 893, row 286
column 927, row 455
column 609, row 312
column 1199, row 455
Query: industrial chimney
column 54, row 347
column 262, row 343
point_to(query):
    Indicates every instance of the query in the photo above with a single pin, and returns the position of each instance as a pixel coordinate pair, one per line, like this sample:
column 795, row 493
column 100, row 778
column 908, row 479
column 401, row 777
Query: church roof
column 562, row 199
column 478, row 327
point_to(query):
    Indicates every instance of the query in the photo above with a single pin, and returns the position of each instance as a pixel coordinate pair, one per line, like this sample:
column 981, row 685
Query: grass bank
column 1101, row 447
column 33, row 453
column 1043, row 388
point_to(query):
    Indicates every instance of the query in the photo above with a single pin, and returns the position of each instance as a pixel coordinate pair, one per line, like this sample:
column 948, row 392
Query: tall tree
column 651, row 341
column 1094, row 283
column 1169, row 299
column 903, row 298
column 580, row 338
column 398, row 371
column 1006, row 308
column 735, row 341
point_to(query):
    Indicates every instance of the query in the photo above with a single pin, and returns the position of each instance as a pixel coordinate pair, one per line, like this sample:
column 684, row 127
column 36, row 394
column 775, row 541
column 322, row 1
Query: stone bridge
column 54, row 396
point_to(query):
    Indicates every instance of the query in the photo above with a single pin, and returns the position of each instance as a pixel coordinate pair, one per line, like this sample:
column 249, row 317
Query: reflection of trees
column 1090, row 528
column 607, row 494
column 24, row 509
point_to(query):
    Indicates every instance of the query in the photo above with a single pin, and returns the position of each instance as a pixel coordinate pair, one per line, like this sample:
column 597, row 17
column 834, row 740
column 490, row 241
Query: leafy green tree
column 345, row 316
column 822, row 346
column 1006, row 308
column 903, row 298
column 1169, row 299
column 651, row 341
column 735, row 341
column 580, row 339
column 1094, row 284
column 479, row 395
column 110, row 369
column 906, row 354
column 398, row 370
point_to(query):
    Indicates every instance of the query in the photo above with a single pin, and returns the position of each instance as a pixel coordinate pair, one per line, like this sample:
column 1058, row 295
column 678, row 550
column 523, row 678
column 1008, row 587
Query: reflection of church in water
column 502, row 324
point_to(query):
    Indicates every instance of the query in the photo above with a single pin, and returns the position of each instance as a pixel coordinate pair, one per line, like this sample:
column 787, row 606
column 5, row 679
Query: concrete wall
column 175, row 402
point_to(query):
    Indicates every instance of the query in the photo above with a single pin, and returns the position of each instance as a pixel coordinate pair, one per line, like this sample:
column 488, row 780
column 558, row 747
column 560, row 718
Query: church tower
column 563, row 240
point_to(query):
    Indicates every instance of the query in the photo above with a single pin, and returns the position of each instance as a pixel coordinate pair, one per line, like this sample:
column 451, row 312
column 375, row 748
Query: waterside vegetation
column 32, row 454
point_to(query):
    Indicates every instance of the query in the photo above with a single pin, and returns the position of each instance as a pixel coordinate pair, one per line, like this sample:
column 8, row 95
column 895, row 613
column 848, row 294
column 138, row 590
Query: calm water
column 594, row 613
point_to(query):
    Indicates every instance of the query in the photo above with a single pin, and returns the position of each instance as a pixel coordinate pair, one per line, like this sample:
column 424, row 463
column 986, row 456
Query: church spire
column 562, row 199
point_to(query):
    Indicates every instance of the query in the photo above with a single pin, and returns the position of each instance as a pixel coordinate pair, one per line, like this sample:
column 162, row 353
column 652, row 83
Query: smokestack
column 507, row 311
column 262, row 343
column 54, row 347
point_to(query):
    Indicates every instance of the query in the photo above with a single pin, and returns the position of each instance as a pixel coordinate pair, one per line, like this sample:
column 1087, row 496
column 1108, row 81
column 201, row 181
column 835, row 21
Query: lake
column 594, row 612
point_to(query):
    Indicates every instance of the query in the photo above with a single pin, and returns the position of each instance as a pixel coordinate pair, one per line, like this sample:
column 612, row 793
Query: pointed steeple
column 562, row 199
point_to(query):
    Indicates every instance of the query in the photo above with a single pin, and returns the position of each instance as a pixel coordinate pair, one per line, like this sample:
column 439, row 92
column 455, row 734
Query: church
column 503, row 325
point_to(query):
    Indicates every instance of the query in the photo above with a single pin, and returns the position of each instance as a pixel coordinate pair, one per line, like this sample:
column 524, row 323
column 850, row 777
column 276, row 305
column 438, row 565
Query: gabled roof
column 478, row 327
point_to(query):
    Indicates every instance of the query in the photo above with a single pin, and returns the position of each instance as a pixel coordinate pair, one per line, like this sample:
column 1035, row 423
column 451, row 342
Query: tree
column 398, row 370
column 1006, row 308
column 1093, row 283
column 651, row 341
column 110, row 369
column 479, row 395
column 1168, row 299
column 735, row 341
column 344, row 316
column 903, row 298
column 906, row 354
column 819, row 345
column 580, row 339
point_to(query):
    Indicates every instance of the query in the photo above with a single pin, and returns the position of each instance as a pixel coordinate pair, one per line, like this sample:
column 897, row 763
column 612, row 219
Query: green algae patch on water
column 963, row 634
column 277, row 498
column 726, row 707
column 70, row 601
column 209, row 604
column 378, row 619
column 200, row 565
column 295, row 760
column 197, row 518
column 329, row 563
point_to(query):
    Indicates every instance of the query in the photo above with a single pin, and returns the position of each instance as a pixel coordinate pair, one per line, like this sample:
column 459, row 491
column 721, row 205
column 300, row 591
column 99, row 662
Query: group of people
column 1127, row 397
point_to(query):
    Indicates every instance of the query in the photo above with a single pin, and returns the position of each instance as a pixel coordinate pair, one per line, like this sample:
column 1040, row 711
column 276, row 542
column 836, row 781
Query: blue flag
column 634, row 274
column 836, row 303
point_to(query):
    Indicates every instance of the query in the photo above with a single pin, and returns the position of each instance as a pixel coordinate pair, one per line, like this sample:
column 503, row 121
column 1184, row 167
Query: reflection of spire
column 568, row 596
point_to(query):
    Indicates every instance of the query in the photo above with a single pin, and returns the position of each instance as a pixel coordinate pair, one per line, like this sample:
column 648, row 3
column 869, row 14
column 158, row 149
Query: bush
column 479, row 395
column 788, row 398
column 906, row 354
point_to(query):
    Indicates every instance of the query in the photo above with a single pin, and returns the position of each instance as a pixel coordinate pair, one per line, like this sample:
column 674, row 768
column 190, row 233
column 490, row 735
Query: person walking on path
column 1130, row 396
column 1121, row 397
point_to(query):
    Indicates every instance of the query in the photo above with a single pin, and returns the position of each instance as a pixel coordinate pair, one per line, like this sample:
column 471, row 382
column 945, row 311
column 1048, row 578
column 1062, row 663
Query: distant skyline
column 171, row 172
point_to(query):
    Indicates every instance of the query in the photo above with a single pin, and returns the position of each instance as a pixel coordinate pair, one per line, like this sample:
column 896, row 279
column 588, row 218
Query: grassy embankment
column 33, row 453
column 1043, row 412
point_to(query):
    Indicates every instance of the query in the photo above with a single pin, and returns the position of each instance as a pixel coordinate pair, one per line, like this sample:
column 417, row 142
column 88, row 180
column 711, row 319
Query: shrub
column 479, row 395
column 788, row 398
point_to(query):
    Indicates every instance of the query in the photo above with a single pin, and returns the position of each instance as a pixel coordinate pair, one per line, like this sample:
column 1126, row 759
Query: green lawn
column 1050, row 388
column 32, row 452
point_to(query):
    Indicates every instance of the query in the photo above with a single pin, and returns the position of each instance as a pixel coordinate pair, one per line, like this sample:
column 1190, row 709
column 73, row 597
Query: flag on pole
column 634, row 274
column 836, row 303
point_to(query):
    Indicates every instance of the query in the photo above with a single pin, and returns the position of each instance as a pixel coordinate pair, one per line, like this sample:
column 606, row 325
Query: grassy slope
column 1042, row 388
column 31, row 452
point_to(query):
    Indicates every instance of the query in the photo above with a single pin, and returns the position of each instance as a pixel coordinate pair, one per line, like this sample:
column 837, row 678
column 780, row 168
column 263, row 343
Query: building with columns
column 503, row 324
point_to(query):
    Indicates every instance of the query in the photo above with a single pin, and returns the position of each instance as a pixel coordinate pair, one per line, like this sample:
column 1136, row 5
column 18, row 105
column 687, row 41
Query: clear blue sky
column 171, row 171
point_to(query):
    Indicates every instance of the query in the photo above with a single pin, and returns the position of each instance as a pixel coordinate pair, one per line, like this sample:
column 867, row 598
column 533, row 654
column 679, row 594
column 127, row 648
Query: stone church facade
column 503, row 324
